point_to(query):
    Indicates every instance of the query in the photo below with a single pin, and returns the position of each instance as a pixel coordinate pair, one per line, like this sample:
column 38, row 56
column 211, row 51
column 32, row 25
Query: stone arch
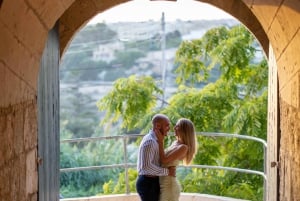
column 24, row 27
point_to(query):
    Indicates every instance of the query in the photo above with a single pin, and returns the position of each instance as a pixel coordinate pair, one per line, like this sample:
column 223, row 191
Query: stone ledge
column 134, row 197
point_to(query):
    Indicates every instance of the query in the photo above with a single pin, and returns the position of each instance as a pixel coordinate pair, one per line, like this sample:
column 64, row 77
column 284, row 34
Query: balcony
column 129, row 196
column 135, row 197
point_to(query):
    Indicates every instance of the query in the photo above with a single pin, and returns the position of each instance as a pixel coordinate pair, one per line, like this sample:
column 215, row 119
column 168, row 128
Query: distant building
column 106, row 52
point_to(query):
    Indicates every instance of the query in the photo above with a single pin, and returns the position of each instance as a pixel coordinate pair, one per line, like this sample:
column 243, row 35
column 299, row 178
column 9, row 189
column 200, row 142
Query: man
column 148, row 164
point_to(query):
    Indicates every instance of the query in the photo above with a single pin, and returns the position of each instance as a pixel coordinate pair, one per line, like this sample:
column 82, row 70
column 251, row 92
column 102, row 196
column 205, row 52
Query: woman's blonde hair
column 188, row 137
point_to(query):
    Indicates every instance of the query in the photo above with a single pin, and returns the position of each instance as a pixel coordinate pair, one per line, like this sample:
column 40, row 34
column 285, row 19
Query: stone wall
column 24, row 26
column 289, row 152
column 18, row 170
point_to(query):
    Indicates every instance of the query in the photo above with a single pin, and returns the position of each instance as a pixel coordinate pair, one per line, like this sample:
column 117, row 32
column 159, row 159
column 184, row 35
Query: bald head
column 161, row 122
column 159, row 118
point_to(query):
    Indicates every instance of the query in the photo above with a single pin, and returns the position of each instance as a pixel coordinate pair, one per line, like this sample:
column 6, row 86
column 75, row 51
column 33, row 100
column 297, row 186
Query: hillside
column 99, row 54
column 104, row 52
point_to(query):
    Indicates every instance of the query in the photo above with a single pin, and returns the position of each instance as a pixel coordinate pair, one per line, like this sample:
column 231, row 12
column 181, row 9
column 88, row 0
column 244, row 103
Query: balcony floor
column 135, row 197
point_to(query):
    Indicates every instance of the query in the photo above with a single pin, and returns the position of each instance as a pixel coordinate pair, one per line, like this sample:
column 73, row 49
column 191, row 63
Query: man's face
column 165, row 127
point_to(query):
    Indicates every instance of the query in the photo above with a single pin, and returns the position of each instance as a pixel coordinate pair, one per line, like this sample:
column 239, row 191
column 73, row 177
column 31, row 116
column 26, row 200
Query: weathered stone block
column 24, row 25
column 31, row 172
column 30, row 126
column 47, row 10
column 289, row 62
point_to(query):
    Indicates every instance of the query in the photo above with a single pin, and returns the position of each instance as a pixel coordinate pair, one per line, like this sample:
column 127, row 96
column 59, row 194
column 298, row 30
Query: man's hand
column 172, row 171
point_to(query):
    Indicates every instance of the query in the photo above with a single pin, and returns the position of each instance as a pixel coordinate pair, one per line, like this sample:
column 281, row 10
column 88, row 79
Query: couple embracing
column 157, row 166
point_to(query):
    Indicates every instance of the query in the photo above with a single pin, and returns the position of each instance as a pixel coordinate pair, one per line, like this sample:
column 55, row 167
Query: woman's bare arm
column 178, row 153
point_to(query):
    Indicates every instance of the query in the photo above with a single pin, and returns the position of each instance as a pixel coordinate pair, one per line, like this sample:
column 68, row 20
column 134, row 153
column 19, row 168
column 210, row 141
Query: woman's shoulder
column 182, row 147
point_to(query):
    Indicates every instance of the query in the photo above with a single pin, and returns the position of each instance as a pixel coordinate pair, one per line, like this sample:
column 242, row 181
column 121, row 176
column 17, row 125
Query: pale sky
column 144, row 10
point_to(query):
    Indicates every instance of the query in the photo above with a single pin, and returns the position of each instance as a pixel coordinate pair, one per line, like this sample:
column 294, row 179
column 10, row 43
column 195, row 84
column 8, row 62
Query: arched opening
column 24, row 29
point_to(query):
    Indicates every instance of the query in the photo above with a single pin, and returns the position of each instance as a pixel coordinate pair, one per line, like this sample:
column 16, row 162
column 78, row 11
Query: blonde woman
column 182, row 149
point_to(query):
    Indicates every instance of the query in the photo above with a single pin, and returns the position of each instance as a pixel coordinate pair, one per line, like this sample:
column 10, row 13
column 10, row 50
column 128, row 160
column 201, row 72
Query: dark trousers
column 148, row 188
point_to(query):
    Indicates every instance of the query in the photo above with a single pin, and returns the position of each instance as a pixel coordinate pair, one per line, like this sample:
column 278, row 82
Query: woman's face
column 177, row 129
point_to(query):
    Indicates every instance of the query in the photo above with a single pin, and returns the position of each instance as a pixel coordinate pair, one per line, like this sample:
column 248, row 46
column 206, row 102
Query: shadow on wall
column 276, row 4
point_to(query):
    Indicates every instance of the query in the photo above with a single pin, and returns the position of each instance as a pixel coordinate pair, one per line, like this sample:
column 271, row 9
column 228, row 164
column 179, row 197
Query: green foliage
column 249, row 116
column 207, row 107
column 120, row 186
column 77, row 114
column 127, row 58
column 235, row 103
column 99, row 33
column 191, row 67
column 244, row 189
column 203, row 181
column 89, row 182
column 131, row 98
column 173, row 39
column 209, row 151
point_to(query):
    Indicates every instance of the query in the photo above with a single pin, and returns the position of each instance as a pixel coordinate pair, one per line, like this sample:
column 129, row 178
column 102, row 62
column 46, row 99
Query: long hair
column 188, row 137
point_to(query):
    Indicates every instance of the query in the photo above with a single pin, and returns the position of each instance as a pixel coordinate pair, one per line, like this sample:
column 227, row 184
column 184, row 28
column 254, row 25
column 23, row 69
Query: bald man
column 148, row 164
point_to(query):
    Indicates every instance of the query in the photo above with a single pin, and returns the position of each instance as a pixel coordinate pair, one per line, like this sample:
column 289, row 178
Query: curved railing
column 127, row 165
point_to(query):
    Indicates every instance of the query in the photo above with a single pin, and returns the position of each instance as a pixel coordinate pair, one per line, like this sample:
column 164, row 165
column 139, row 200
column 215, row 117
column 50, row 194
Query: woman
column 182, row 149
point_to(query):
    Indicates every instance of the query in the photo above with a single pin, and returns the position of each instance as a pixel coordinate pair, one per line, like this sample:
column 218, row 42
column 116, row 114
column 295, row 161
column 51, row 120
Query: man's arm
column 172, row 171
column 149, row 161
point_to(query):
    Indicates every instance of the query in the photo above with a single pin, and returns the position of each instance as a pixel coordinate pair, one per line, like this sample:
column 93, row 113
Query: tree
column 235, row 103
column 130, row 99
column 96, row 34
column 237, row 93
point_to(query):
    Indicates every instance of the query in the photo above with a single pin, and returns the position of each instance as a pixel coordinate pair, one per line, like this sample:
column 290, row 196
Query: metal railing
column 127, row 165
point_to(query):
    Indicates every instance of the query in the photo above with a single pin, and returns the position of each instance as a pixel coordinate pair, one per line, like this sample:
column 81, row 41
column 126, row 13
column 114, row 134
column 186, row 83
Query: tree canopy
column 235, row 103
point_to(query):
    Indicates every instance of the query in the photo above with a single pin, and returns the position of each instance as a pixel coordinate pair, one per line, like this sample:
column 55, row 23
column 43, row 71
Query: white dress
column 169, row 186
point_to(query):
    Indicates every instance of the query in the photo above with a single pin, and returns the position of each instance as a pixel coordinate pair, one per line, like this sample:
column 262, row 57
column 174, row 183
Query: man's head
column 161, row 122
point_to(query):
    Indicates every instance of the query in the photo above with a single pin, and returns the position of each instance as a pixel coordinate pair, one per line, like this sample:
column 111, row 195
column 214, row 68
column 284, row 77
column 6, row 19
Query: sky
column 144, row 10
